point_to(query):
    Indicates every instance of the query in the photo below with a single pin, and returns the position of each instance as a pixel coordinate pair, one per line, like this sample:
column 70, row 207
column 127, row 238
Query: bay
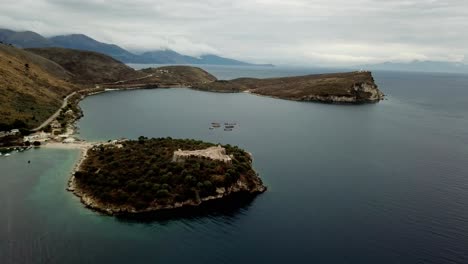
column 378, row 183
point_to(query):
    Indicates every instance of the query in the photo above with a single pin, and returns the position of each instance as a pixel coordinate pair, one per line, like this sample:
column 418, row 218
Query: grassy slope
column 30, row 94
column 334, row 84
column 88, row 67
column 179, row 75
column 168, row 76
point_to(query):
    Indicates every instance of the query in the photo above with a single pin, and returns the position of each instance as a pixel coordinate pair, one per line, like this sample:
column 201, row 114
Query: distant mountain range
column 29, row 39
column 419, row 66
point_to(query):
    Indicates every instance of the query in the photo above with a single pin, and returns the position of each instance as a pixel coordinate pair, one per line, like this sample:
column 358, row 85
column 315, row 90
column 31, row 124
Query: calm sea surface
column 380, row 183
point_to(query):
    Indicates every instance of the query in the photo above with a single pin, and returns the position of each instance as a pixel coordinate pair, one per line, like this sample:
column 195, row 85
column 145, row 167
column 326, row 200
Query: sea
column 373, row 183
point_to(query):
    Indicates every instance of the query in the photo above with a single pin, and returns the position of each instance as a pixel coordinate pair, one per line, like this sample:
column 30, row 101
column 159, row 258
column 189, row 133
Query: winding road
column 55, row 115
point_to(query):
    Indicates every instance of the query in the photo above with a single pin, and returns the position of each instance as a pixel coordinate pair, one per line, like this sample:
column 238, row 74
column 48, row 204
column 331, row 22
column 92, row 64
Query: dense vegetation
column 141, row 173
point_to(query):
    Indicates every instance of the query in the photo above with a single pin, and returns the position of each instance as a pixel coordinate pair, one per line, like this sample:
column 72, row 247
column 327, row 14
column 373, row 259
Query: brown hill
column 350, row 87
column 88, row 67
column 179, row 75
column 165, row 77
column 31, row 87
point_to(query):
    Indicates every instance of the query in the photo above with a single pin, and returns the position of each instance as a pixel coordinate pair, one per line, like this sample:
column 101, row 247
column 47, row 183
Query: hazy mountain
column 25, row 39
column 166, row 57
column 216, row 60
column 419, row 66
column 172, row 57
column 83, row 42
column 28, row 39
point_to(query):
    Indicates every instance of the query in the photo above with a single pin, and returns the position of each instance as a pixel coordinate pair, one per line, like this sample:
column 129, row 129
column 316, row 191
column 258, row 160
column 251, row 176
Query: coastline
column 239, row 188
column 83, row 146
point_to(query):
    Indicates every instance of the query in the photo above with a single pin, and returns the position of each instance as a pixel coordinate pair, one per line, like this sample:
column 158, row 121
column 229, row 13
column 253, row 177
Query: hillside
column 352, row 87
column 33, row 82
column 93, row 68
column 88, row 67
column 183, row 75
column 31, row 88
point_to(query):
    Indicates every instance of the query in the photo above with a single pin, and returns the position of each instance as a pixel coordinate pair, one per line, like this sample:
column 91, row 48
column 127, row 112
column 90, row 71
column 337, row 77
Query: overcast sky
column 313, row 32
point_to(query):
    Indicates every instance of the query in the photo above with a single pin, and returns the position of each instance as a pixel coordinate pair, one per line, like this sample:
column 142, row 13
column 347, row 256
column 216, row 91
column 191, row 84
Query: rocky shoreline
column 92, row 203
column 336, row 88
column 239, row 187
column 337, row 100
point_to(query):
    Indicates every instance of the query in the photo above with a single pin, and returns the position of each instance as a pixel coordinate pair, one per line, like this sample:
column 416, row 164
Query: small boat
column 211, row 128
column 229, row 126
column 8, row 154
column 228, row 129
column 215, row 124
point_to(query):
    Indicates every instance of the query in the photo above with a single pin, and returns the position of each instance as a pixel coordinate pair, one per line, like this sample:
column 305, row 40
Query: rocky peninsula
column 139, row 176
column 347, row 88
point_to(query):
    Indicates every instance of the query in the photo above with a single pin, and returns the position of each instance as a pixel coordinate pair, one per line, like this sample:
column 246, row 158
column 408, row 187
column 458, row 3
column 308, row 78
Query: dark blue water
column 380, row 183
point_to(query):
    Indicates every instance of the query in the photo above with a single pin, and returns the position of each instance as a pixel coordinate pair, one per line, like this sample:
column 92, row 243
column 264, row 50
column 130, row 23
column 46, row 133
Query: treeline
column 17, row 124
column 142, row 172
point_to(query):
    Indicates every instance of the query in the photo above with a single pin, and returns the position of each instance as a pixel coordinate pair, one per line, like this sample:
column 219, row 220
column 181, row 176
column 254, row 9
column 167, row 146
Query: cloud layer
column 320, row 32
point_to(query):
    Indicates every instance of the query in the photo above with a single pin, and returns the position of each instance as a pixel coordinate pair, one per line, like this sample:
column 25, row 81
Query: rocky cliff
column 242, row 186
column 351, row 87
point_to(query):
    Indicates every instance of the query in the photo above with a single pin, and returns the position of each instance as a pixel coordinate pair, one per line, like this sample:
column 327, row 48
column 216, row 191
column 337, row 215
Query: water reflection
column 228, row 209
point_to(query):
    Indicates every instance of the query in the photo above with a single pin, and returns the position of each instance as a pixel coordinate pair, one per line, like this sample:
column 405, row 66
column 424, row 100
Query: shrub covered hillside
column 31, row 88
column 141, row 173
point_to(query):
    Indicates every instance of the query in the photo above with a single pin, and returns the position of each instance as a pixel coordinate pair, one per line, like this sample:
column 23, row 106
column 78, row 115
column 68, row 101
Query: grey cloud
column 325, row 32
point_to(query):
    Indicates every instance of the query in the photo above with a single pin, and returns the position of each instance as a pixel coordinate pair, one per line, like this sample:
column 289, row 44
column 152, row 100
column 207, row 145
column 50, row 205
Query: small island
column 139, row 176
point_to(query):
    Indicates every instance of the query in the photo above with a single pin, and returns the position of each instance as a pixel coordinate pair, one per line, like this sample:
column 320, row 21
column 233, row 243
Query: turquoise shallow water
column 381, row 183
